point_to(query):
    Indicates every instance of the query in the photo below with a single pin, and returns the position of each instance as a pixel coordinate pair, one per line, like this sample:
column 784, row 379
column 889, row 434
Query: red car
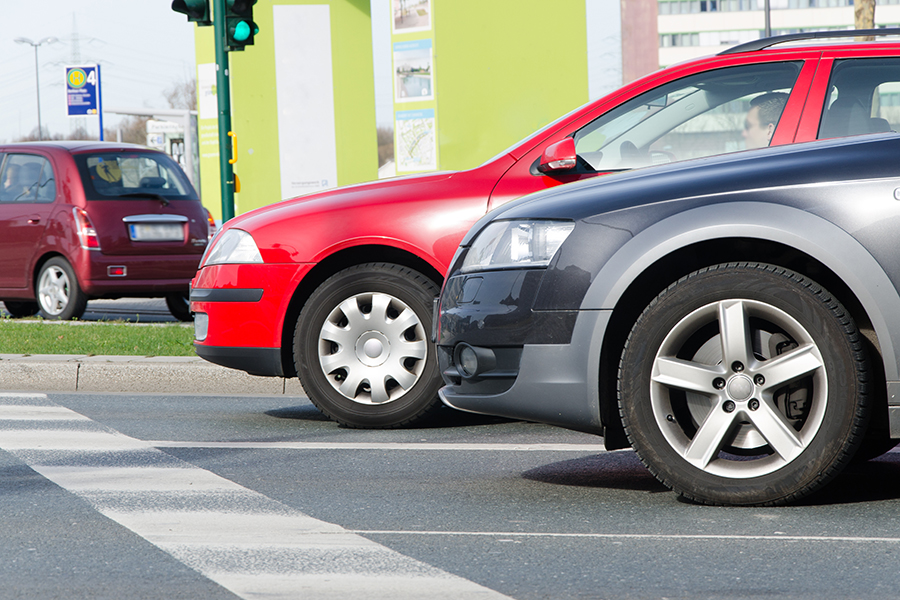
column 337, row 287
column 81, row 220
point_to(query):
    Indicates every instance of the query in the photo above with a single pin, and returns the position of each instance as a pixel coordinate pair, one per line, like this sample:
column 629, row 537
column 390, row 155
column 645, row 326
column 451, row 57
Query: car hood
column 819, row 162
column 373, row 192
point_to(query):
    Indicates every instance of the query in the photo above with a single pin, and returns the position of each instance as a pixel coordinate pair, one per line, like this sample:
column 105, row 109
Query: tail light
column 87, row 235
column 211, row 224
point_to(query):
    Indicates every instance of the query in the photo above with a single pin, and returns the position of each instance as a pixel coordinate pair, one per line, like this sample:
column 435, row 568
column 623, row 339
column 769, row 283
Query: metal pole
column 768, row 20
column 99, row 102
column 37, row 79
column 223, row 95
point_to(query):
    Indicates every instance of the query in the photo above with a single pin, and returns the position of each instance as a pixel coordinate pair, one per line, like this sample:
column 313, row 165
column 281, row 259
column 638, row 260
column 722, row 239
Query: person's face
column 755, row 134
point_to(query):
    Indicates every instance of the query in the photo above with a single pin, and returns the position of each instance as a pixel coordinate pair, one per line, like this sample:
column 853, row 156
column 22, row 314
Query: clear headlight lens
column 235, row 246
column 511, row 244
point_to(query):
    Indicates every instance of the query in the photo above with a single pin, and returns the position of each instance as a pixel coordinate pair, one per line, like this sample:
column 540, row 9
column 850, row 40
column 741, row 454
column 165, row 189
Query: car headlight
column 235, row 246
column 511, row 244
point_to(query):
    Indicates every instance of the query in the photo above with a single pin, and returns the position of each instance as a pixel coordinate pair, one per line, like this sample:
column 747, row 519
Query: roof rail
column 811, row 35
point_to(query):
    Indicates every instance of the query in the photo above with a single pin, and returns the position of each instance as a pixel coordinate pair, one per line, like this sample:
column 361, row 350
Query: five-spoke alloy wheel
column 744, row 384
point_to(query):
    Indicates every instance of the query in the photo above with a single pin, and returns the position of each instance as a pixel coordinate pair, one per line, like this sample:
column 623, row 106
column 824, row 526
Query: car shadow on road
column 871, row 481
column 611, row 470
column 443, row 418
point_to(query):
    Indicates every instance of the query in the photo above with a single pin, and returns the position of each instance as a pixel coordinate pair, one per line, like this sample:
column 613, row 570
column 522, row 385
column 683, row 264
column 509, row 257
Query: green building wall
column 501, row 69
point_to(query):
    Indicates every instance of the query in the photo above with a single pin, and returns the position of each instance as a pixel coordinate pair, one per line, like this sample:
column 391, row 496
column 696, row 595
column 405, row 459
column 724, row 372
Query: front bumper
column 552, row 383
column 244, row 308
column 542, row 365
column 256, row 361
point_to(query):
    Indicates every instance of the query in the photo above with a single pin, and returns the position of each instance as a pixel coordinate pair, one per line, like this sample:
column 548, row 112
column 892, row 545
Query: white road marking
column 597, row 448
column 638, row 536
column 244, row 541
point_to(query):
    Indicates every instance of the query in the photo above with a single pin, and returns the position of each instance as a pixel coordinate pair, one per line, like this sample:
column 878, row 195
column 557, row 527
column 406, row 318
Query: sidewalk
column 134, row 374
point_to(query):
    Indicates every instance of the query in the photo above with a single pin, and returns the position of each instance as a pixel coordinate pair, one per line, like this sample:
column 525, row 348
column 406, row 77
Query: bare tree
column 182, row 95
column 80, row 133
column 33, row 136
column 134, row 130
column 385, row 136
column 864, row 17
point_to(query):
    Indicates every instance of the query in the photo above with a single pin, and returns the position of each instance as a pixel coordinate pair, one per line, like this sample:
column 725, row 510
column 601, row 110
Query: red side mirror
column 559, row 156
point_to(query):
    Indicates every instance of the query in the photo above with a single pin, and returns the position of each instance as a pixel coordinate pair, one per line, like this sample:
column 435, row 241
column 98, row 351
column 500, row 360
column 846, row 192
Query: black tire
column 367, row 313
column 58, row 293
column 180, row 306
column 747, row 429
column 18, row 309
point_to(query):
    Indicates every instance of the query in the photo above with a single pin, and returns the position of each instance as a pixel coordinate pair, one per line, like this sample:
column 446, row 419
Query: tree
column 385, row 136
column 133, row 128
column 864, row 17
column 182, row 95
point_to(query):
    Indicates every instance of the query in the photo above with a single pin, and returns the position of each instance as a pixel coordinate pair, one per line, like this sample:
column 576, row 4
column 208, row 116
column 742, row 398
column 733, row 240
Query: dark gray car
column 734, row 319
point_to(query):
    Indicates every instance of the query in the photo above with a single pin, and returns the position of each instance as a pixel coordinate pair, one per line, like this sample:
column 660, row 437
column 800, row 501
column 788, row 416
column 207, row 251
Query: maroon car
column 82, row 220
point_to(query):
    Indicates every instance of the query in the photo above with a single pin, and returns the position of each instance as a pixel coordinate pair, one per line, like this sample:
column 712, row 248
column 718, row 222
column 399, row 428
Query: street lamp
column 37, row 77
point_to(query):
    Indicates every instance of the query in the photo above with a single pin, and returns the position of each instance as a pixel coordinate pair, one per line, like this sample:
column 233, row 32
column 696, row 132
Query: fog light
column 117, row 270
column 468, row 361
column 472, row 362
column 201, row 326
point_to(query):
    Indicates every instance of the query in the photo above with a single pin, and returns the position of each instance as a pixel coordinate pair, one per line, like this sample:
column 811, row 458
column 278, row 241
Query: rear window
column 118, row 175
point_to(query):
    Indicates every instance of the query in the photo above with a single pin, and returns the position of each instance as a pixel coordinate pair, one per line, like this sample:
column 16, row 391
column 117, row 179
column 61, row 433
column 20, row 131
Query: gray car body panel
column 847, row 223
column 811, row 234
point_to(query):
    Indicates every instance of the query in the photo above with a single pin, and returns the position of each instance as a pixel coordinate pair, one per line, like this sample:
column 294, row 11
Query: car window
column 133, row 175
column 27, row 178
column 701, row 115
column 863, row 97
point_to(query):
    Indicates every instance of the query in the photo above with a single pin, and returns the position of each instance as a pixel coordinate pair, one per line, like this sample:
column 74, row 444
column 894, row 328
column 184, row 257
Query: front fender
column 808, row 233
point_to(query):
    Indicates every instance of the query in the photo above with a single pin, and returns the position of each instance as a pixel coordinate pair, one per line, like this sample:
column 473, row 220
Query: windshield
column 133, row 174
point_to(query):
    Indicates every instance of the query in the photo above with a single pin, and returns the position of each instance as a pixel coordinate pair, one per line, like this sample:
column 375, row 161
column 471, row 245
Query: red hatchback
column 337, row 287
column 81, row 220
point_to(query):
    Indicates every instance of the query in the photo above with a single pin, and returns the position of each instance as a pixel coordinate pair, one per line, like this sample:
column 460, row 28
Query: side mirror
column 559, row 156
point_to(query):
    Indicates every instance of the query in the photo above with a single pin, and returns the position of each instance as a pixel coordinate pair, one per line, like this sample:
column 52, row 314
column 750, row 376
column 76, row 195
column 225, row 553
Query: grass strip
column 104, row 338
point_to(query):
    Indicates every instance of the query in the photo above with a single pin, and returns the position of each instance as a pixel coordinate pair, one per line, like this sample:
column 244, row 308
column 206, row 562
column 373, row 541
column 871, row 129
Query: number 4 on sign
column 92, row 77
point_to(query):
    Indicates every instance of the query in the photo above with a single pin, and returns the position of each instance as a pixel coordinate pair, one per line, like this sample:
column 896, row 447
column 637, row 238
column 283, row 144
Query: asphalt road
column 139, row 496
column 134, row 310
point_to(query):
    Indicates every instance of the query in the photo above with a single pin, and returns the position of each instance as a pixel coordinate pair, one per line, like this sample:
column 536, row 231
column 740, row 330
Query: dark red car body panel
column 31, row 233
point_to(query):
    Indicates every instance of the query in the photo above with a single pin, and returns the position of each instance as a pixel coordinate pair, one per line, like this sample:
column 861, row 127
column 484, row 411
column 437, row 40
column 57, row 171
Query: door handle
column 34, row 220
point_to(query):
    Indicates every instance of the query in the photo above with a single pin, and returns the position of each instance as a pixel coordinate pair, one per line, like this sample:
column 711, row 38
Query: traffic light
column 197, row 11
column 239, row 25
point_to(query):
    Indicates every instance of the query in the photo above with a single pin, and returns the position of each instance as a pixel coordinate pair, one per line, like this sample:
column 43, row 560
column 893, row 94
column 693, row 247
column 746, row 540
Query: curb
column 135, row 374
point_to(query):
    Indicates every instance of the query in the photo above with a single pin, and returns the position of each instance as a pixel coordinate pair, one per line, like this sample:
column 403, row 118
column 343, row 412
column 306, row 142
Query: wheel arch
column 742, row 232
column 39, row 264
column 332, row 264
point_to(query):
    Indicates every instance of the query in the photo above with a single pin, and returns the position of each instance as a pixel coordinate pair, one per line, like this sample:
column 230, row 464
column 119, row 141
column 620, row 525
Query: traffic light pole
column 223, row 95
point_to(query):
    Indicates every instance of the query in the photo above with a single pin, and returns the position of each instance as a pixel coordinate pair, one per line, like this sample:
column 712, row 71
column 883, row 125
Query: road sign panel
column 83, row 90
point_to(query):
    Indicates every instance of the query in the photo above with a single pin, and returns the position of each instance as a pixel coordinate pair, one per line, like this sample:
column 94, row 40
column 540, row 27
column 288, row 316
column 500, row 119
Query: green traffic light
column 241, row 31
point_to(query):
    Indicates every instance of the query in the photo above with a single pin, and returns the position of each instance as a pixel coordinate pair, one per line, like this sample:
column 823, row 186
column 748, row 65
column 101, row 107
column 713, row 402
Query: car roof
column 76, row 146
column 768, row 42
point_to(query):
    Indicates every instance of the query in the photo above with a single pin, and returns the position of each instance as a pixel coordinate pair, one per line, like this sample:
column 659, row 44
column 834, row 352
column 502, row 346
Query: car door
column 679, row 116
column 26, row 201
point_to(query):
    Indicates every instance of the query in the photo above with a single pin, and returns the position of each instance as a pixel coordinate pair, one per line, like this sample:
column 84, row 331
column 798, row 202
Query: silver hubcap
column 372, row 348
column 742, row 399
column 53, row 290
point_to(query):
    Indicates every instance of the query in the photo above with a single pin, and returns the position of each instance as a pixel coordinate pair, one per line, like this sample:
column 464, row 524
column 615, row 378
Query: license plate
column 156, row 232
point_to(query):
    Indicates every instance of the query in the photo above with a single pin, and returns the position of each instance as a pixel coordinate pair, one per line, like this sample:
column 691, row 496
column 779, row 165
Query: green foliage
column 107, row 338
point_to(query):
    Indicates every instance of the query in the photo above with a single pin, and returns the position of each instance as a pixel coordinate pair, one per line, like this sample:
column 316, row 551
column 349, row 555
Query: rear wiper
column 159, row 197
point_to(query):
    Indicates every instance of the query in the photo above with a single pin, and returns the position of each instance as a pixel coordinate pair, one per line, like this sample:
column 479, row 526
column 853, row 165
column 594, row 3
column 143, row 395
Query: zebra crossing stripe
column 246, row 542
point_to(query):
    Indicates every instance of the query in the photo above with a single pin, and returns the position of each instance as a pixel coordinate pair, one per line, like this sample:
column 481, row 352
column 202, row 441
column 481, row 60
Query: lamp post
column 37, row 77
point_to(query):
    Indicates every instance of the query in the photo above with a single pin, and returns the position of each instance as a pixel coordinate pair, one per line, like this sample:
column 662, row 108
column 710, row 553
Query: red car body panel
column 425, row 217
